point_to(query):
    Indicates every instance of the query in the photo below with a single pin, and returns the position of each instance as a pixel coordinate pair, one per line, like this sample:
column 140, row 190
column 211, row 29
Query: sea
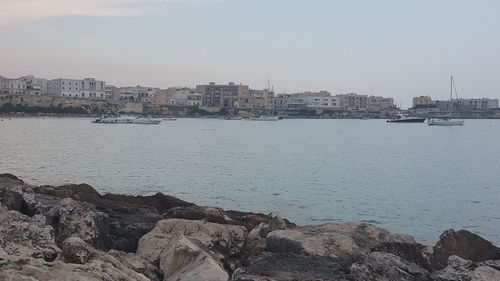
column 408, row 178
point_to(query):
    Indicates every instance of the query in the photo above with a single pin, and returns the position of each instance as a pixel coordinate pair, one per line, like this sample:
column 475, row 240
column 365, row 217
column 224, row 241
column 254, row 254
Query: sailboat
column 449, row 121
column 269, row 116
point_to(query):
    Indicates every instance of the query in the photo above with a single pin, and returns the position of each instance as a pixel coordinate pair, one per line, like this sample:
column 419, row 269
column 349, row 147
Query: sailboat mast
column 451, row 88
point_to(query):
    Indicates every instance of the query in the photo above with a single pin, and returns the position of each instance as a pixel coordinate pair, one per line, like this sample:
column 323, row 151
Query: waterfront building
column 181, row 96
column 26, row 85
column 224, row 96
column 353, row 101
column 256, row 99
column 92, row 89
column 322, row 99
column 138, row 93
column 78, row 88
column 377, row 103
column 422, row 101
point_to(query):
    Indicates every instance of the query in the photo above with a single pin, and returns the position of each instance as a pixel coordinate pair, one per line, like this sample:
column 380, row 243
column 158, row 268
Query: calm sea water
column 408, row 178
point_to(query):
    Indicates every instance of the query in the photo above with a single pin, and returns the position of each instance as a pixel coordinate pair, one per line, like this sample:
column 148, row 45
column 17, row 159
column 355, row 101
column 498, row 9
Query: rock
column 384, row 266
column 138, row 264
column 210, row 214
column 60, row 271
column 10, row 176
column 464, row 244
column 456, row 269
column 412, row 252
column 11, row 189
column 464, row 270
column 75, row 250
column 184, row 260
column 79, row 192
column 226, row 240
column 23, row 237
column 129, row 217
column 288, row 266
column 256, row 242
column 334, row 239
column 485, row 273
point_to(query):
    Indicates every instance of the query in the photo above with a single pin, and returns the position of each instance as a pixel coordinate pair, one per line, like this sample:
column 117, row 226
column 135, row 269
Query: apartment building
column 225, row 96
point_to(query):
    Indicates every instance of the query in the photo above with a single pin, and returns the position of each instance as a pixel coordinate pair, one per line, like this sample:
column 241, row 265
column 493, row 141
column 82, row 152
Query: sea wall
column 72, row 232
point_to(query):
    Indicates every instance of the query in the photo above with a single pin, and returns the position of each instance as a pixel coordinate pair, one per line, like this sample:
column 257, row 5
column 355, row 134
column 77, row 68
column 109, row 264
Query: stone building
column 224, row 96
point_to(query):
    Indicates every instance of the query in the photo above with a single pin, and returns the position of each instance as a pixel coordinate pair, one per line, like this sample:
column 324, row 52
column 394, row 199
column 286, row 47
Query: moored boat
column 445, row 122
column 127, row 120
column 401, row 118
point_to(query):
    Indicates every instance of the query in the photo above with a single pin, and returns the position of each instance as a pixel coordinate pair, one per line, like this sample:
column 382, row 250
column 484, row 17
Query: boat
column 169, row 119
column 233, row 118
column 265, row 118
column 402, row 118
column 448, row 120
column 445, row 122
column 268, row 116
column 127, row 120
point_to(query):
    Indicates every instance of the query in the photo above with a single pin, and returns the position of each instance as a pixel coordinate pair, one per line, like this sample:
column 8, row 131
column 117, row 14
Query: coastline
column 72, row 230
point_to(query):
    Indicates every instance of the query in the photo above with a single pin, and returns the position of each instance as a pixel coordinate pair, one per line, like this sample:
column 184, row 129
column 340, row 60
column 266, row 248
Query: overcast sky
column 392, row 48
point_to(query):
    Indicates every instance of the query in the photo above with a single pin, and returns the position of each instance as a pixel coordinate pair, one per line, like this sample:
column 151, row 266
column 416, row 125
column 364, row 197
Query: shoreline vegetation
column 35, row 106
column 72, row 232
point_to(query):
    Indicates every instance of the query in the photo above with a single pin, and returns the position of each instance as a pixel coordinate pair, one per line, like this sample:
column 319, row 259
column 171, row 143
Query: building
column 377, row 103
column 178, row 96
column 222, row 95
column 87, row 88
column 480, row 103
column 26, row 85
column 92, row 89
column 422, row 101
column 322, row 99
column 353, row 101
column 138, row 93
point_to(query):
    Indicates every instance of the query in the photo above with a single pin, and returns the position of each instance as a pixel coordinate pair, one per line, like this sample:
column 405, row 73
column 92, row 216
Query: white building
column 26, row 85
column 321, row 101
column 139, row 93
column 87, row 88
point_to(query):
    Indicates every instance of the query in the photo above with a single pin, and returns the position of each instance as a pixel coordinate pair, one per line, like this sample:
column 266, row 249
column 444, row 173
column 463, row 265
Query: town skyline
column 387, row 48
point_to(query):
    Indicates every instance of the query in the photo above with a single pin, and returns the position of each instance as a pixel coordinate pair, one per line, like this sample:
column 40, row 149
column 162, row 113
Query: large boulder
column 129, row 217
column 193, row 247
column 465, row 244
column 210, row 214
column 345, row 240
column 75, row 250
column 226, row 240
column 186, row 260
column 465, row 270
column 379, row 266
column 288, row 266
column 256, row 241
column 23, row 237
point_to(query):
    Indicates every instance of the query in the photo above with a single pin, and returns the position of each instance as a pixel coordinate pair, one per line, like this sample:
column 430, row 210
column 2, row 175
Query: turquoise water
column 408, row 178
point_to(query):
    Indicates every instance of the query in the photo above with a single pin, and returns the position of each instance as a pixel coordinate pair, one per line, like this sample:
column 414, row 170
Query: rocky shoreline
column 72, row 232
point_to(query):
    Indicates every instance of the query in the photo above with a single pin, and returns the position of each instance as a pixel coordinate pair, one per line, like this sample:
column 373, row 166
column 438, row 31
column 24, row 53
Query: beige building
column 177, row 96
column 226, row 96
column 353, row 101
column 380, row 103
column 422, row 101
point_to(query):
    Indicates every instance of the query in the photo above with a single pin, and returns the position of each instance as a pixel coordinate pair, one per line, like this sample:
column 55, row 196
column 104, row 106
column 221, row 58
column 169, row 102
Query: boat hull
column 265, row 118
column 414, row 120
column 443, row 122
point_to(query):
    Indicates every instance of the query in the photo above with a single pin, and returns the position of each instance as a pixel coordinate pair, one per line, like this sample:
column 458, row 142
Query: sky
column 395, row 48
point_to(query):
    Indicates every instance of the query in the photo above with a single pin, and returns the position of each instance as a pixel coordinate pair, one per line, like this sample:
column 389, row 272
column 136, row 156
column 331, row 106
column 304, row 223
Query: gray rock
column 75, row 250
column 333, row 239
column 226, row 240
column 379, row 266
column 256, row 241
column 464, row 244
column 287, row 266
column 23, row 237
column 458, row 269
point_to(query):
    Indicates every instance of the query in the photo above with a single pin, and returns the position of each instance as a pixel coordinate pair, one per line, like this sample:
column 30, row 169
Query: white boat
column 448, row 121
column 265, row 118
column 233, row 118
column 169, row 119
column 127, row 120
column 445, row 122
column 402, row 118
